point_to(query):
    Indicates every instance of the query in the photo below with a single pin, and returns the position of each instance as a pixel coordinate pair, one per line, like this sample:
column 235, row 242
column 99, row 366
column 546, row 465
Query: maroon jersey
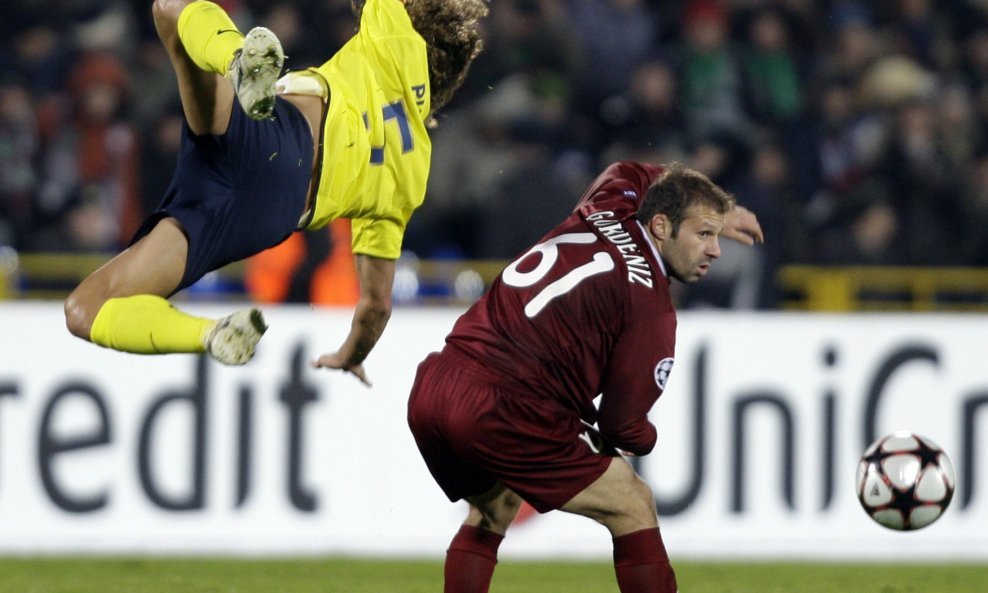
column 584, row 312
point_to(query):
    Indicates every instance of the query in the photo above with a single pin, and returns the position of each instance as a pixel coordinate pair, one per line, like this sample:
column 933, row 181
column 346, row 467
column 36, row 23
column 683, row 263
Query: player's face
column 689, row 254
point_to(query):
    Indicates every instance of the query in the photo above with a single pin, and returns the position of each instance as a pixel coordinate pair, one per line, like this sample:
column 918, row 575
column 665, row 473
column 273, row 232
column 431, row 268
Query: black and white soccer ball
column 905, row 481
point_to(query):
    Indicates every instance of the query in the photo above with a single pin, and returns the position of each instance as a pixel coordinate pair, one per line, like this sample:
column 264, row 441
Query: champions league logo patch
column 662, row 371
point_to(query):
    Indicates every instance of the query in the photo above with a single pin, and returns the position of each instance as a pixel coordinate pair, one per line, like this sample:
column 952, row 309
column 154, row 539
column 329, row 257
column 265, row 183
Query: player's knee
column 168, row 10
column 497, row 515
column 637, row 507
column 508, row 509
column 632, row 508
column 642, row 501
column 79, row 315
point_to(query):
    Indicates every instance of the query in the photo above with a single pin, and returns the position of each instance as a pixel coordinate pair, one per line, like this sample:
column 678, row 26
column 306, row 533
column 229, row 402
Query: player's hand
column 336, row 361
column 742, row 226
column 596, row 441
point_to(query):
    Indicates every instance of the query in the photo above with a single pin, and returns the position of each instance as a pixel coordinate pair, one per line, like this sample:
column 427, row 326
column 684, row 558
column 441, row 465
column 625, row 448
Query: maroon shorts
column 472, row 433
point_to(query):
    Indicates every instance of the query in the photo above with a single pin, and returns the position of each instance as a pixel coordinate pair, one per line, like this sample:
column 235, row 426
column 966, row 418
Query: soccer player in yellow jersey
column 347, row 139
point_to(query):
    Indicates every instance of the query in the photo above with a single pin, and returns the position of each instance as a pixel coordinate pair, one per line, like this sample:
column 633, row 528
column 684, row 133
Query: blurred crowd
column 856, row 130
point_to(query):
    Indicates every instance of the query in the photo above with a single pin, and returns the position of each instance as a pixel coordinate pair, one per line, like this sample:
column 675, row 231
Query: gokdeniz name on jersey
column 638, row 270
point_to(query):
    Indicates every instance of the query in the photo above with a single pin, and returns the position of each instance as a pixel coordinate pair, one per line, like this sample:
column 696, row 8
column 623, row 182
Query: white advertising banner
column 760, row 430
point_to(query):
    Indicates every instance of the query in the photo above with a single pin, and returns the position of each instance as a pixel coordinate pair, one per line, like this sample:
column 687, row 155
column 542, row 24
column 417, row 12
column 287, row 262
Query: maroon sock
column 641, row 563
column 470, row 560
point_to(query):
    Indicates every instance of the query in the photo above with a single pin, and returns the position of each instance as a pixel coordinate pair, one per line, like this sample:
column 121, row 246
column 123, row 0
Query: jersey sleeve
column 384, row 18
column 635, row 376
column 625, row 182
column 397, row 51
column 377, row 237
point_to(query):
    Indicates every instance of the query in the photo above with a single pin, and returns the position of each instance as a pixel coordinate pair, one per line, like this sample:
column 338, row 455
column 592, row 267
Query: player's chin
column 687, row 275
column 699, row 272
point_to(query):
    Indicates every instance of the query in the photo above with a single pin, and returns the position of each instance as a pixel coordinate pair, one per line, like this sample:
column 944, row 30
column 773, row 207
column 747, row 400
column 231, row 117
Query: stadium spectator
column 151, row 72
column 976, row 210
column 853, row 42
column 649, row 112
column 540, row 173
column 38, row 52
column 711, row 74
column 925, row 184
column 19, row 149
column 617, row 35
column 864, row 229
column 957, row 122
column 287, row 154
column 846, row 142
column 772, row 78
column 922, row 33
column 505, row 412
column 604, row 102
column 314, row 268
column 162, row 143
column 974, row 61
column 476, row 161
column 90, row 179
column 528, row 36
column 770, row 193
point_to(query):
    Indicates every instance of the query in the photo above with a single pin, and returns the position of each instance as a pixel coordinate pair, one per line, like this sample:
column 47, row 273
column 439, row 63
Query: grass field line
column 346, row 575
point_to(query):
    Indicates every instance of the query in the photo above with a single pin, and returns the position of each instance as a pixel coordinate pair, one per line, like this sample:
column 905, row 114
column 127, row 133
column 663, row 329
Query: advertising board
column 760, row 430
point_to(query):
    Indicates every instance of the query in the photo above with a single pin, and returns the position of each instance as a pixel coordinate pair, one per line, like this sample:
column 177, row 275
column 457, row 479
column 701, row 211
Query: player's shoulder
column 637, row 267
column 386, row 18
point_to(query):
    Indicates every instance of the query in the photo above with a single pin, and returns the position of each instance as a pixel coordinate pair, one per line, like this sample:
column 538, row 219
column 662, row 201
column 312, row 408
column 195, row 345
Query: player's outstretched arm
column 742, row 226
column 370, row 317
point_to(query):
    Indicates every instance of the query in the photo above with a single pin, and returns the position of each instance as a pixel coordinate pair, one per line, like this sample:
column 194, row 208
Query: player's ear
column 661, row 226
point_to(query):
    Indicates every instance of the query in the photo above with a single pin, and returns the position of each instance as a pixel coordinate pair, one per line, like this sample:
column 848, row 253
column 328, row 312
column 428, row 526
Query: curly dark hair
column 451, row 30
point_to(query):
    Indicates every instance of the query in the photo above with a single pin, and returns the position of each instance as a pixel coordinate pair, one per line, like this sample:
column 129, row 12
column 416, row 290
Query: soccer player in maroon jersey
column 505, row 412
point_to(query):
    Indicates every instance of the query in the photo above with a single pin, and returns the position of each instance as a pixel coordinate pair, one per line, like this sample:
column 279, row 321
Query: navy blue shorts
column 238, row 194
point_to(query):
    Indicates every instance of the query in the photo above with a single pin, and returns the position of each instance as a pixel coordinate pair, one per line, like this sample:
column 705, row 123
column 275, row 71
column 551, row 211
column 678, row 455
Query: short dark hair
column 676, row 190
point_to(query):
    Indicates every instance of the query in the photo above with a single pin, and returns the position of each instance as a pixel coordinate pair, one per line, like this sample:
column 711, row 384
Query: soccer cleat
column 233, row 339
column 255, row 71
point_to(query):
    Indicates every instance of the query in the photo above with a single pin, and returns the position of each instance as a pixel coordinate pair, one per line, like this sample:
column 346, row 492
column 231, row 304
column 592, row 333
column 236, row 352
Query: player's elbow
column 80, row 312
column 376, row 307
column 168, row 10
column 76, row 320
column 637, row 438
column 376, row 277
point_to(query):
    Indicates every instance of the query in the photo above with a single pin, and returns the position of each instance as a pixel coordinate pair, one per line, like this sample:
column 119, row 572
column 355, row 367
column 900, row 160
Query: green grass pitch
column 339, row 575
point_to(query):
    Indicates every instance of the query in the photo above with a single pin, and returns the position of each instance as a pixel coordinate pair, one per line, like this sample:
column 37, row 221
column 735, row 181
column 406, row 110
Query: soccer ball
column 905, row 481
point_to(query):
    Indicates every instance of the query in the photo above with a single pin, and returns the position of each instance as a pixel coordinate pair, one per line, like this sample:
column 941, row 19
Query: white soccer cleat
column 233, row 339
column 255, row 70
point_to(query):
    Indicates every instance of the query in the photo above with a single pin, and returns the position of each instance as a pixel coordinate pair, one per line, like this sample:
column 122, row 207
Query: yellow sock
column 147, row 324
column 209, row 36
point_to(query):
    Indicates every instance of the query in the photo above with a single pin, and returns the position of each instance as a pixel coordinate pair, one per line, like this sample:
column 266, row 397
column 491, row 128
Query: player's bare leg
column 472, row 555
column 494, row 510
column 618, row 500
column 154, row 265
column 623, row 502
column 122, row 305
column 207, row 99
column 205, row 47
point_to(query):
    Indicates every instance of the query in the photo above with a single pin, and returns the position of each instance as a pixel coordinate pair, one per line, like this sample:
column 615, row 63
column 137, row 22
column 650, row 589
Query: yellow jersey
column 376, row 149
